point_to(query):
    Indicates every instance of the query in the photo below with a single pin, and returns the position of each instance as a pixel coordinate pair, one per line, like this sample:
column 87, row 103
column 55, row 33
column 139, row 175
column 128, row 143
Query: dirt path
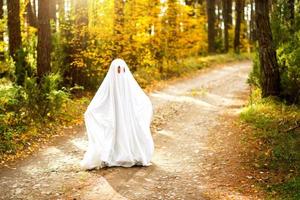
column 195, row 155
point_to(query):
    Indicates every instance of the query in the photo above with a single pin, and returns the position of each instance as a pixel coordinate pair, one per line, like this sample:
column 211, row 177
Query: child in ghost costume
column 118, row 122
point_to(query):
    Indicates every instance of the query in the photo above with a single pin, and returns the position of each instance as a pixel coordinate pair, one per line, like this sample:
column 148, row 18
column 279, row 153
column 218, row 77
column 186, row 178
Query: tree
column 270, row 80
column 237, row 32
column 31, row 17
column 14, row 27
column 211, row 20
column 226, row 4
column 44, row 39
column 1, row 31
column 52, row 8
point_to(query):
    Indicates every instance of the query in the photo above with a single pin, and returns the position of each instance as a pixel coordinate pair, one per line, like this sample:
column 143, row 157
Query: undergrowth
column 274, row 145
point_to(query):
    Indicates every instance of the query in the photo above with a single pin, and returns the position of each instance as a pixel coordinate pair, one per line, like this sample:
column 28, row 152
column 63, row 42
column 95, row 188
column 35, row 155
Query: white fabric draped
column 118, row 122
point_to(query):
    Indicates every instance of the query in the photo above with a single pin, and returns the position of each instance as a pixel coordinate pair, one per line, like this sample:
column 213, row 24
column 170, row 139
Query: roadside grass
column 187, row 68
column 19, row 138
column 273, row 143
column 195, row 63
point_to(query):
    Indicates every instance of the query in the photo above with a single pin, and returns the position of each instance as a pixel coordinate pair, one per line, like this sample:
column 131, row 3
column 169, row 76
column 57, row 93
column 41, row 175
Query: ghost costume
column 118, row 122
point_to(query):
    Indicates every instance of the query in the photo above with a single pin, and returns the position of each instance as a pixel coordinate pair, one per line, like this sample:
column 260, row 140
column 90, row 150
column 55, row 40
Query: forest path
column 195, row 150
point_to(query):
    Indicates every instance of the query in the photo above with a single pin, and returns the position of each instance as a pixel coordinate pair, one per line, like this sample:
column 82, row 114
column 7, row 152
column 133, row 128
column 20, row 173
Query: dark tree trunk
column 211, row 20
column 31, row 17
column 270, row 80
column 14, row 27
column 226, row 23
column 237, row 32
column 1, row 32
column 44, row 39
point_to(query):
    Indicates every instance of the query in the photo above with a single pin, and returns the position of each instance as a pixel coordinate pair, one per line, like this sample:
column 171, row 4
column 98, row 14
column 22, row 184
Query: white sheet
column 118, row 122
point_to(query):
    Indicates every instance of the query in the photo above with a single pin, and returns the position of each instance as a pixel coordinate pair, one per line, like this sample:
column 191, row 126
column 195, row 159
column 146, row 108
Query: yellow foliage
column 150, row 35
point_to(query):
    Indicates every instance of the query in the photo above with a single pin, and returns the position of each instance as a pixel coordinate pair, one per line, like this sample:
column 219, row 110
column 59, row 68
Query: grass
column 274, row 144
column 289, row 190
column 194, row 63
column 186, row 68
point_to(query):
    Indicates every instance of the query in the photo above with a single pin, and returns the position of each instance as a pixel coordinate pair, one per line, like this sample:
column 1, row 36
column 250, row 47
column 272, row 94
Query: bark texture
column 14, row 27
column 237, row 32
column 31, row 17
column 270, row 80
column 211, row 20
column 44, row 39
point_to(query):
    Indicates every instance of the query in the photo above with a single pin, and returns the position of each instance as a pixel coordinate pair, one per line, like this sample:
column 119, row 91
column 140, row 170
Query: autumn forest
column 54, row 55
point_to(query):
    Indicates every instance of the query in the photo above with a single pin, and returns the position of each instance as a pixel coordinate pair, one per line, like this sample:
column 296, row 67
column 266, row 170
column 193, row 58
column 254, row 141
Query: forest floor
column 197, row 150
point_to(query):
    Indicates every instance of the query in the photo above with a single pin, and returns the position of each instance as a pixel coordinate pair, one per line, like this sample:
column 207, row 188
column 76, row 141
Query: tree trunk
column 211, row 20
column 1, row 32
column 226, row 23
column 14, row 27
column 52, row 9
column 31, row 17
column 270, row 80
column 44, row 39
column 237, row 32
